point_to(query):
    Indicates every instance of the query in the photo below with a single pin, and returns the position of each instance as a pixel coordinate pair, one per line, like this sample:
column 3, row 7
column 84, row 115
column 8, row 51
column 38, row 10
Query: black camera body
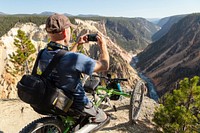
column 92, row 37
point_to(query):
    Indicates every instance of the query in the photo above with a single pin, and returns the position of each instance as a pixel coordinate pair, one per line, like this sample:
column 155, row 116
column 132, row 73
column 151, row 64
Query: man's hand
column 100, row 39
column 82, row 39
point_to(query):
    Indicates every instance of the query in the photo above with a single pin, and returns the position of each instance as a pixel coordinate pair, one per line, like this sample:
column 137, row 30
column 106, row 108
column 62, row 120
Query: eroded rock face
column 174, row 56
column 119, row 64
column 2, row 57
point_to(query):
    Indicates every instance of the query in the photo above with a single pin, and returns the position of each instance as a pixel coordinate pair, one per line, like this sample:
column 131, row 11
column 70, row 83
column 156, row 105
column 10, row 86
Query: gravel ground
column 15, row 115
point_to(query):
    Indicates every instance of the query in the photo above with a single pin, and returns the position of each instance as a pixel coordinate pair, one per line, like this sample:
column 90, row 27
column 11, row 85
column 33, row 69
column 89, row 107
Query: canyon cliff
column 174, row 56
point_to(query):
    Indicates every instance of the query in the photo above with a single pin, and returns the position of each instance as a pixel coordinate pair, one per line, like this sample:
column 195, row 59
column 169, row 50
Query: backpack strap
column 34, row 71
column 53, row 63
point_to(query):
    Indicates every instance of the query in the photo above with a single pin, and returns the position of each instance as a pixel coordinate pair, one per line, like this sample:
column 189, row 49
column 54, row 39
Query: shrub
column 22, row 56
column 180, row 111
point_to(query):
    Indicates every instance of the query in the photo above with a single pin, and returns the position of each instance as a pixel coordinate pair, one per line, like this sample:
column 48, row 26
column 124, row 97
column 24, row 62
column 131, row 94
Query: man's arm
column 75, row 47
column 103, row 62
column 81, row 40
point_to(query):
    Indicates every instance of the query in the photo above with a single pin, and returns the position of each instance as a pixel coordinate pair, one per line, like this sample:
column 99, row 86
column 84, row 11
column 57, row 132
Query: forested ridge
column 8, row 21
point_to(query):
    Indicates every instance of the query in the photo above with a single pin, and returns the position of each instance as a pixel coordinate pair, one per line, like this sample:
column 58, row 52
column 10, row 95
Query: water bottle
column 119, row 87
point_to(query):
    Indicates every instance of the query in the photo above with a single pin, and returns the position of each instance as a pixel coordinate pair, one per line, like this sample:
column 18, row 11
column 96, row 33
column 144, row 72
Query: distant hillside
column 163, row 21
column 1, row 13
column 175, row 56
column 154, row 20
column 46, row 13
column 8, row 21
column 132, row 34
column 166, row 24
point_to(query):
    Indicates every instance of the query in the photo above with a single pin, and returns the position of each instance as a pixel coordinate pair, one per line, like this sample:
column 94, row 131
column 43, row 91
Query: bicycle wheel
column 44, row 125
column 136, row 101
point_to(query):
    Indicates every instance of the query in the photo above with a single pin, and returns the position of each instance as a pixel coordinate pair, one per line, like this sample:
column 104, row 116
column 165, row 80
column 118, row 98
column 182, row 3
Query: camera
column 92, row 37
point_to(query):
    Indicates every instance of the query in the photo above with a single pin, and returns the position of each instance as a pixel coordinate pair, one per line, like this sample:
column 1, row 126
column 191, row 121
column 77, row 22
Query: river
column 151, row 87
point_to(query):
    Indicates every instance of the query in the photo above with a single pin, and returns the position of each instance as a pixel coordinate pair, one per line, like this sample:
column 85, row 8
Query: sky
column 111, row 8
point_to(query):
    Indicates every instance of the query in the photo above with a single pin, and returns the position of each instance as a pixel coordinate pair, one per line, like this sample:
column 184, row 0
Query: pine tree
column 21, row 57
column 180, row 112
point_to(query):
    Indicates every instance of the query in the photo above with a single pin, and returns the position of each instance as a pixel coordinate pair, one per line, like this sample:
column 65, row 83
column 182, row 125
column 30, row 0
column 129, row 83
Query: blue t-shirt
column 66, row 75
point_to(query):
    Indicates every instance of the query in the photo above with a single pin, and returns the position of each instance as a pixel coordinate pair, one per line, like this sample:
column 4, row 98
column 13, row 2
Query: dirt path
column 14, row 115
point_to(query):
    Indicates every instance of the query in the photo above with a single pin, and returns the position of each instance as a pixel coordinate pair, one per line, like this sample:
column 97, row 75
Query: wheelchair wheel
column 136, row 100
column 44, row 125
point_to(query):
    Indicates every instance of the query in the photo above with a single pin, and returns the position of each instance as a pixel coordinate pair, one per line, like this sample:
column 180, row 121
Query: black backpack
column 41, row 93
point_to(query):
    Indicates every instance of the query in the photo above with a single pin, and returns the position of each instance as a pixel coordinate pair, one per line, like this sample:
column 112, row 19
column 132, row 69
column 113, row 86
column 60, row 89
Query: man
column 68, row 72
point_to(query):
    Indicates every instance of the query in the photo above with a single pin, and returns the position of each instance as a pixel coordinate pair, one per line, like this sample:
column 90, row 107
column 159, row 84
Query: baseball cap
column 57, row 23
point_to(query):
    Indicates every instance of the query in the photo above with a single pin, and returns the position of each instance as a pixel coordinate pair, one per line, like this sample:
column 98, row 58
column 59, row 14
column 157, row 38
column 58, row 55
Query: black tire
column 136, row 100
column 44, row 125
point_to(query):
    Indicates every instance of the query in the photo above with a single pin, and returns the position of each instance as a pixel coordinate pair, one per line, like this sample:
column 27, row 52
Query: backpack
column 41, row 93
